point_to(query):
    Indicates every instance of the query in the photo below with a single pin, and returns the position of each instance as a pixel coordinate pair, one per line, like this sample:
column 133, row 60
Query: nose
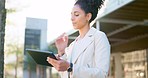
column 72, row 18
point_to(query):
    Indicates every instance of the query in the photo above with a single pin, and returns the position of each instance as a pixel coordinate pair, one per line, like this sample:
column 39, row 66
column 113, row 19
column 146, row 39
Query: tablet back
column 39, row 56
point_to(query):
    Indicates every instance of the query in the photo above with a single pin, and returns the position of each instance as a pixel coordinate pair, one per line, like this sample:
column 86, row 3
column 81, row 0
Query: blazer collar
column 88, row 38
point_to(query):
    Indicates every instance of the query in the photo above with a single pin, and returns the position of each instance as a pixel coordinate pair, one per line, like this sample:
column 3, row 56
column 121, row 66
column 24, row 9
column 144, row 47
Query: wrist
column 70, row 68
column 61, row 54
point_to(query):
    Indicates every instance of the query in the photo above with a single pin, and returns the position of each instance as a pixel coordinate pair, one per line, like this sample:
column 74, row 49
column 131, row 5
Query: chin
column 74, row 27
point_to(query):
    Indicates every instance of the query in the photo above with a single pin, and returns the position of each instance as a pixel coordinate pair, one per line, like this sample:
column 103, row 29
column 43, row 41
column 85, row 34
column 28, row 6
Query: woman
column 88, row 56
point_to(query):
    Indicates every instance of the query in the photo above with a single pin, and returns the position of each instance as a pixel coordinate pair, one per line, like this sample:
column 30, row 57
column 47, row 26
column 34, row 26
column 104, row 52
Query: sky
column 57, row 13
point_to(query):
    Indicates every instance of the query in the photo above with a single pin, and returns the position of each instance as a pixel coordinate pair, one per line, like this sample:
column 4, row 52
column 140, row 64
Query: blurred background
column 35, row 24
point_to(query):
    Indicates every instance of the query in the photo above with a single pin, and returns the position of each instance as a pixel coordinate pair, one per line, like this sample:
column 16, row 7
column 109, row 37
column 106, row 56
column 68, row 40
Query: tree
column 17, row 63
column 2, row 34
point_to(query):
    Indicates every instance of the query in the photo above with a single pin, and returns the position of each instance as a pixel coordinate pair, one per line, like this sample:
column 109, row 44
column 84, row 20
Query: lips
column 73, row 23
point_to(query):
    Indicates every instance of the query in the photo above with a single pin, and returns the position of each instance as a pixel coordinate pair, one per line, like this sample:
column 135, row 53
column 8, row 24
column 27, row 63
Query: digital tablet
column 40, row 57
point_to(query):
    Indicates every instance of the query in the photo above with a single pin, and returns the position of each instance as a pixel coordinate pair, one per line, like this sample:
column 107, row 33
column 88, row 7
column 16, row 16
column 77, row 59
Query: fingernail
column 47, row 58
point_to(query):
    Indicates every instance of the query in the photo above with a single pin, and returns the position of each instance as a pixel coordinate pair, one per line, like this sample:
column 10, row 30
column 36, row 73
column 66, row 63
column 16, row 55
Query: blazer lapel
column 70, row 49
column 84, row 44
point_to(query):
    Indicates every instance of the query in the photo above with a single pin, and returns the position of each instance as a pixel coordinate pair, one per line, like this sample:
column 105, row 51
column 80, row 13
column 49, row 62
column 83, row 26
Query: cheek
column 81, row 20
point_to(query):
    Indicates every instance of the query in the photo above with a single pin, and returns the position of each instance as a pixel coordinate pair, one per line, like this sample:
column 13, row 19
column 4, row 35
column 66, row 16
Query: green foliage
column 11, row 66
column 11, row 10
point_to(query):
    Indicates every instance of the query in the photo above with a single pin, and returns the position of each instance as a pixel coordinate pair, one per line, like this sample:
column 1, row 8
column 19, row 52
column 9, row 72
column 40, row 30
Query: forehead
column 77, row 8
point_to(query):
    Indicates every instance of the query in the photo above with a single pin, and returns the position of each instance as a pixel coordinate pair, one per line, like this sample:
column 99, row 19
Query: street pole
column 2, row 34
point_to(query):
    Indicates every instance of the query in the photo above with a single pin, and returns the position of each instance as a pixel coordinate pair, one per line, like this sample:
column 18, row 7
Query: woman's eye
column 76, row 14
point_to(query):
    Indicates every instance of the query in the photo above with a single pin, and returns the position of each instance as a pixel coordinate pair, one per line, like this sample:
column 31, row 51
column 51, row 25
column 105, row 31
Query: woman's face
column 78, row 17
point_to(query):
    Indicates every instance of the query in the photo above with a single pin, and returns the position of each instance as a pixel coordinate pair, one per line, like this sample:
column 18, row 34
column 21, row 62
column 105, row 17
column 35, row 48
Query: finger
column 48, row 59
column 60, row 38
column 62, row 35
column 58, row 57
column 52, row 61
column 66, row 38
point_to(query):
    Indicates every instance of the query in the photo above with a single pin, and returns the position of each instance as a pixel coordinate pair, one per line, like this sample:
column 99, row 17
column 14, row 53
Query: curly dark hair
column 90, row 6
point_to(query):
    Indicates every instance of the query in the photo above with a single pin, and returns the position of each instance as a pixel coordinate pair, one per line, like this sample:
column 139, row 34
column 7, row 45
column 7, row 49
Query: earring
column 87, row 20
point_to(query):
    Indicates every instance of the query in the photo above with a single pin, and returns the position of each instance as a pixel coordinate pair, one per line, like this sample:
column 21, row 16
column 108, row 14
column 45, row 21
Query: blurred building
column 131, row 64
column 134, row 64
column 35, row 38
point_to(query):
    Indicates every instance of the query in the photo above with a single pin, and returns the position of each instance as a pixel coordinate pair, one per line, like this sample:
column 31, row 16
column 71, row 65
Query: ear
column 89, row 15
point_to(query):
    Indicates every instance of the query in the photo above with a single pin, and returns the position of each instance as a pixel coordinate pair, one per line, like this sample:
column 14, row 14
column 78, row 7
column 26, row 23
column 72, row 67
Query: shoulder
column 98, row 33
column 100, row 37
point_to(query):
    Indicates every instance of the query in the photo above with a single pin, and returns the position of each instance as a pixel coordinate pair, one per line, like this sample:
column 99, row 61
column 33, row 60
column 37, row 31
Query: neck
column 83, row 31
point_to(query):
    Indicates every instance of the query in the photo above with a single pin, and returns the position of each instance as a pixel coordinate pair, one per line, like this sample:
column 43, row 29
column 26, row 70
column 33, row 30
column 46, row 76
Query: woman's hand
column 60, row 65
column 61, row 43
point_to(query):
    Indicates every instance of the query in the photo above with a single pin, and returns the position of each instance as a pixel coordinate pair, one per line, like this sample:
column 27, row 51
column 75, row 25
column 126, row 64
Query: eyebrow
column 75, row 12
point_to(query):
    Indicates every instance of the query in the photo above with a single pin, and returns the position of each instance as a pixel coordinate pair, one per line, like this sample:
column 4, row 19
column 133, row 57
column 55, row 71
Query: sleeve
column 67, row 53
column 102, row 61
column 64, row 57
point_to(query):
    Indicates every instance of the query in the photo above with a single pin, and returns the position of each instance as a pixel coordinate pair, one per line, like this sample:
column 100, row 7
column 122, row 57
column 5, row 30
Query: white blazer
column 93, row 56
